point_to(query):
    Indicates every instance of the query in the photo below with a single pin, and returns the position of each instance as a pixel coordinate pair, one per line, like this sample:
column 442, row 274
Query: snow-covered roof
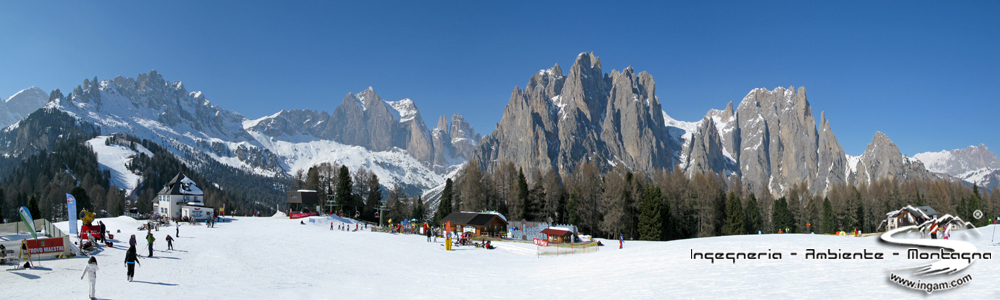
column 181, row 185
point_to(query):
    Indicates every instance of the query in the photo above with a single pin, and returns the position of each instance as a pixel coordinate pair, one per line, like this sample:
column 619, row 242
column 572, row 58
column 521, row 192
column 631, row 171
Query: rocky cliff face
column 773, row 140
column 882, row 159
column 559, row 120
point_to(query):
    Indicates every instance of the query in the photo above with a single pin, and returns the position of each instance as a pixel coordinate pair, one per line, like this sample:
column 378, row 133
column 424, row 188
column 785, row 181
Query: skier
column 131, row 241
column 91, row 272
column 178, row 225
column 621, row 241
column 331, row 225
column 170, row 243
column 150, row 239
column 428, row 233
column 130, row 261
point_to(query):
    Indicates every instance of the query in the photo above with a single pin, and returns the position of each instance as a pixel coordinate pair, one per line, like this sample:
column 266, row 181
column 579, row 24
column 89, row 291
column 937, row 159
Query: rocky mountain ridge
column 770, row 139
column 386, row 137
column 973, row 164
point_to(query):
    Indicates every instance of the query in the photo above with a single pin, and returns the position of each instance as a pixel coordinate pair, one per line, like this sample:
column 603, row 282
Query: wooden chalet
column 478, row 224
column 558, row 235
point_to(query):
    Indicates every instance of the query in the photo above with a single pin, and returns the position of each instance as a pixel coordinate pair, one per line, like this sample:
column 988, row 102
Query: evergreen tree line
column 356, row 195
column 42, row 181
column 672, row 205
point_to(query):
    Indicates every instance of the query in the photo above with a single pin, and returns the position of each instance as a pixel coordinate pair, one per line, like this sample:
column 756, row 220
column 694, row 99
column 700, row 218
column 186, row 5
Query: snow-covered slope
column 392, row 167
column 236, row 263
column 116, row 158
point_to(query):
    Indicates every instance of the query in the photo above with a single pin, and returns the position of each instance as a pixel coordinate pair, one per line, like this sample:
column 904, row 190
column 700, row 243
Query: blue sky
column 927, row 74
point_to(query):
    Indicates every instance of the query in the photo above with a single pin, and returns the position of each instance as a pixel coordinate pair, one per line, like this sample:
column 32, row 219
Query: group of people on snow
column 131, row 257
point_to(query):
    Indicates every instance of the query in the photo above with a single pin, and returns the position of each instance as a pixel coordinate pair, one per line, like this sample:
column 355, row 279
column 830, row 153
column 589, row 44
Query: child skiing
column 621, row 241
column 170, row 243
column 91, row 272
column 130, row 261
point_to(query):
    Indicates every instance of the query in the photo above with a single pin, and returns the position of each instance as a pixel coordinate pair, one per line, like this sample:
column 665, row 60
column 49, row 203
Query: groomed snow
column 267, row 258
column 115, row 158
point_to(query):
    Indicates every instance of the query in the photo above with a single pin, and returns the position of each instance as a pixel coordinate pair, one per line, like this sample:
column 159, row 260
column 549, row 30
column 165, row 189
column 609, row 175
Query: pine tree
column 82, row 199
column 782, row 216
column 829, row 222
column 572, row 217
column 519, row 209
column 753, row 219
column 374, row 198
column 312, row 179
column 975, row 203
column 669, row 230
column 650, row 215
column 444, row 206
column 860, row 218
column 344, row 188
column 418, row 208
column 734, row 216
column 33, row 207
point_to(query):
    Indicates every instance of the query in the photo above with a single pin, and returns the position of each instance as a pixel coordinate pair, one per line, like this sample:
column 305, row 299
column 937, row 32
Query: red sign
column 302, row 215
column 92, row 230
column 541, row 242
column 50, row 245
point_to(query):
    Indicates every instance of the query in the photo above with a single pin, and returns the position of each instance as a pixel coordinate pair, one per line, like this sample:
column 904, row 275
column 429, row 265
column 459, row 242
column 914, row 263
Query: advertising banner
column 28, row 221
column 49, row 245
column 71, row 206
column 302, row 215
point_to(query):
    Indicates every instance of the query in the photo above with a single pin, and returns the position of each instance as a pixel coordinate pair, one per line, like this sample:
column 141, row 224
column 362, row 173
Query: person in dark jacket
column 104, row 231
column 130, row 261
column 170, row 243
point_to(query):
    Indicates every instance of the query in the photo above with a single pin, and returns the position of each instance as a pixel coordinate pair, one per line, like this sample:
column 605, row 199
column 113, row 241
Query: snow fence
column 566, row 249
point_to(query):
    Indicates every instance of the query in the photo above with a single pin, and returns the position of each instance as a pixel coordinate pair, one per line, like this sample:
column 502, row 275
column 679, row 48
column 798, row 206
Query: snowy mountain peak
column 973, row 164
column 22, row 103
column 28, row 93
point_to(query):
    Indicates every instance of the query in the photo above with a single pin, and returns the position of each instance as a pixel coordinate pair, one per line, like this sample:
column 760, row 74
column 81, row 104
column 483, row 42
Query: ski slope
column 116, row 158
column 277, row 258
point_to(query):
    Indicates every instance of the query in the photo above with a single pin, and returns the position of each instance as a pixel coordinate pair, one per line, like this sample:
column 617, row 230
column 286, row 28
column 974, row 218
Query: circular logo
column 978, row 214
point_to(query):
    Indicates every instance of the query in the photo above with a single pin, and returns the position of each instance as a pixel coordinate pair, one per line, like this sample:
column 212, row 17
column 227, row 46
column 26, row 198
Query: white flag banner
column 71, row 206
